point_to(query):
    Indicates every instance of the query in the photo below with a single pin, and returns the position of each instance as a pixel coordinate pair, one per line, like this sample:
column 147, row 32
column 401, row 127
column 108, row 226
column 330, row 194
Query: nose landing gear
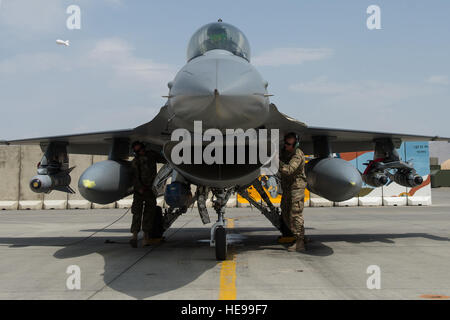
column 218, row 231
column 220, row 242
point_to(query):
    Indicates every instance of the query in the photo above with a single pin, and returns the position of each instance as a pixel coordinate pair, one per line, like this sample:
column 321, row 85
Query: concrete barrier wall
column 81, row 163
column 18, row 165
column 10, row 174
column 29, row 158
column 389, row 195
column 55, row 200
column 418, row 154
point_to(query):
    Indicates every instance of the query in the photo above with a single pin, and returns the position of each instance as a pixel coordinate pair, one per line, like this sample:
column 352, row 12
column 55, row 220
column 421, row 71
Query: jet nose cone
column 222, row 92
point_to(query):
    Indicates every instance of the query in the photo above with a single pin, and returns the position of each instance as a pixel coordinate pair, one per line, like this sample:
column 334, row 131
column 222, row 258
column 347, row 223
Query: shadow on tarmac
column 182, row 258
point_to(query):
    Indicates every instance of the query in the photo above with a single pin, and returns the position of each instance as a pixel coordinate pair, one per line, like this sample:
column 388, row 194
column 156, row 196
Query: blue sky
column 323, row 65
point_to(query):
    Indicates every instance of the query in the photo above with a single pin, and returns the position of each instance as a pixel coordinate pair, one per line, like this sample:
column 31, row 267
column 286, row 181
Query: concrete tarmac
column 410, row 245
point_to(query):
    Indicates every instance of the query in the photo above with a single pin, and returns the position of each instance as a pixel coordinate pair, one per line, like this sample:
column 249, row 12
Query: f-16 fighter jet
column 219, row 131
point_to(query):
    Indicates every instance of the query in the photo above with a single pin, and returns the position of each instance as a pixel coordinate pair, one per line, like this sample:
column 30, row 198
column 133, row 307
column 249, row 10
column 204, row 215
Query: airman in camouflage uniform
column 293, row 184
column 144, row 201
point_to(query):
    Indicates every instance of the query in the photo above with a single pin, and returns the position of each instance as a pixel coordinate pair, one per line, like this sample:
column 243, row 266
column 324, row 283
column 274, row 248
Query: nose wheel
column 218, row 231
column 221, row 243
column 219, row 239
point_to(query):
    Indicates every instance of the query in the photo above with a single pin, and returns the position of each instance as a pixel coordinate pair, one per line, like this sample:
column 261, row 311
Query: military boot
column 288, row 240
column 298, row 246
column 146, row 241
column 133, row 240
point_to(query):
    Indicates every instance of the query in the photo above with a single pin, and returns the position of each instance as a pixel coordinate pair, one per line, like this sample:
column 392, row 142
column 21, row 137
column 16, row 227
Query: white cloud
column 361, row 95
column 122, row 118
column 118, row 55
column 104, row 80
column 321, row 85
column 290, row 56
column 114, row 2
column 366, row 105
column 438, row 79
column 362, row 89
column 34, row 62
column 30, row 17
column 107, row 55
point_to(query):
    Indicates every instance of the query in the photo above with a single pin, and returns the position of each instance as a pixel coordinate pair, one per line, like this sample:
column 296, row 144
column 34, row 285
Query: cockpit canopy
column 218, row 35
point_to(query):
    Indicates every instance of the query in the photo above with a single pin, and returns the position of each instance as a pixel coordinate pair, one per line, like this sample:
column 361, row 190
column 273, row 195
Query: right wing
column 99, row 143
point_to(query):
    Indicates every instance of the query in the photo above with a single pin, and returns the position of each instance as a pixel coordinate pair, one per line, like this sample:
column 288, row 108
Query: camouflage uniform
column 144, row 204
column 293, row 184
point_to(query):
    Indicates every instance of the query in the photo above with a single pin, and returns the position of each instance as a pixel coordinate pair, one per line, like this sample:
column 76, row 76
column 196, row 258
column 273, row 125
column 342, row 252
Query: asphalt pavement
column 405, row 251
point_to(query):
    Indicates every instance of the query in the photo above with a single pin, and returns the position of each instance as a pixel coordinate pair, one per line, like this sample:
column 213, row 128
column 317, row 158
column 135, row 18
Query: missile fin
column 66, row 189
column 69, row 170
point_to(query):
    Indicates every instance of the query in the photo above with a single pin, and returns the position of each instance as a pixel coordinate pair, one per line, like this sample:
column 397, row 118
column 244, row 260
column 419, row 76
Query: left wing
column 352, row 140
column 340, row 140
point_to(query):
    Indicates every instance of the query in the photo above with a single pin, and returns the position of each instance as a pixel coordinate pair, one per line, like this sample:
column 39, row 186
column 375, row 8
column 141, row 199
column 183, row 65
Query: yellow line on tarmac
column 228, row 273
